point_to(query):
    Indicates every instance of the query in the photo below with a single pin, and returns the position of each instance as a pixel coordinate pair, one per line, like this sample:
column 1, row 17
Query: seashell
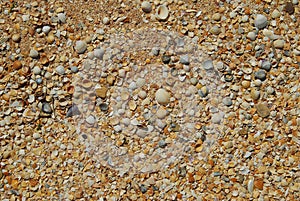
column 162, row 12
column 87, row 84
column 24, row 71
column 44, row 59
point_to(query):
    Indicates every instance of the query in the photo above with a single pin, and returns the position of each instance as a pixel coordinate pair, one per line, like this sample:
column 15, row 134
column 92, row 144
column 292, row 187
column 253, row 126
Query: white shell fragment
column 162, row 12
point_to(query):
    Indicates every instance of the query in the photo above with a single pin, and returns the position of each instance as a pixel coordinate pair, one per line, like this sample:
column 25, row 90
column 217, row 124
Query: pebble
column 215, row 30
column 262, row 110
column 162, row 96
column 203, row 92
column 216, row 118
column 166, row 59
column 105, row 20
column 279, row 44
column 46, row 108
column 208, row 65
column 103, row 107
column 289, row 8
column 46, row 29
column 62, row 17
column 60, row 70
column 251, row 35
column 216, row 17
column 255, row 94
column 74, row 69
column 275, row 14
column 80, row 47
column 161, row 113
column 260, row 74
column 227, row 101
column 266, row 65
column 36, row 70
column 73, row 111
column 36, row 136
column 184, row 59
column 260, row 21
column 98, row 53
column 90, row 119
column 146, row 7
column 34, row 54
column 16, row 38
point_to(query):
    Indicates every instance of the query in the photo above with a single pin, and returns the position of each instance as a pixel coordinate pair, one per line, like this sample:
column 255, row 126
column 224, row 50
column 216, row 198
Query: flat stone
column 262, row 110
column 90, row 119
column 208, row 64
column 101, row 92
column 46, row 108
column 184, row 59
column 98, row 53
column 279, row 44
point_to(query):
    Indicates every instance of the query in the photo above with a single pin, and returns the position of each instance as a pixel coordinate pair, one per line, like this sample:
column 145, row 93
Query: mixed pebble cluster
column 150, row 100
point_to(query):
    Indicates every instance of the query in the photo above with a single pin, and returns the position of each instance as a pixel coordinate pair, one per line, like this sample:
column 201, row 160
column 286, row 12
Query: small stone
column 279, row 44
column 101, row 92
column 6, row 154
column 62, row 17
column 270, row 90
column 146, row 7
column 105, row 20
column 289, row 8
column 162, row 144
column 90, row 120
column 143, row 188
column 161, row 113
column 184, row 59
column 80, row 47
column 203, row 92
column 255, row 94
column 46, row 108
column 260, row 21
column 103, row 107
column 74, row 69
column 208, row 65
column 227, row 101
column 250, row 185
column 36, row 70
column 166, row 59
column 260, row 74
column 245, row 84
column 266, row 65
column 33, row 54
column 259, row 184
column 193, row 81
column 216, row 118
column 36, row 136
column 46, row 29
column 60, row 70
column 17, row 65
column 16, row 38
column 251, row 35
column 98, row 53
column 275, row 14
column 73, row 111
column 39, row 80
column 215, row 30
column 263, row 110
column 162, row 96
column 216, row 17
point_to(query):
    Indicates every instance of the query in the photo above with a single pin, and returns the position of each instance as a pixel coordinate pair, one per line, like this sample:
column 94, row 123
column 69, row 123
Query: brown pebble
column 259, row 184
column 289, row 8
column 17, row 65
column 101, row 92
column 263, row 110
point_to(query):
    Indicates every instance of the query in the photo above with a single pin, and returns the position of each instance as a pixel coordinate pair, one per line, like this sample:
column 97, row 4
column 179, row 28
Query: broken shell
column 44, row 59
column 24, row 71
column 162, row 12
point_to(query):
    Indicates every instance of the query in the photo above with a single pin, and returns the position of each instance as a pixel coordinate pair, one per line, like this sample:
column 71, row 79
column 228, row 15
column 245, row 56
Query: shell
column 162, row 12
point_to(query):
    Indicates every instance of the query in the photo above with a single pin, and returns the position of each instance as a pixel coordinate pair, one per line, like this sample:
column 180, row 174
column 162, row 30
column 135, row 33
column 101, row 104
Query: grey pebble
column 98, row 53
column 184, row 59
column 260, row 21
column 266, row 65
column 46, row 29
column 46, row 108
column 166, row 59
column 260, row 74
column 60, row 70
column 36, row 70
column 80, row 46
column 227, row 101
column 72, row 111
column 103, row 107
column 62, row 17
column 251, row 35
column 90, row 119
column 74, row 69
column 39, row 80
column 208, row 64
column 34, row 54
column 162, row 144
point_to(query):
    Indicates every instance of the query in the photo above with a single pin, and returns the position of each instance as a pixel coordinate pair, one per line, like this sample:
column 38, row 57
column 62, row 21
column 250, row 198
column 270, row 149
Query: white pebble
column 90, row 119
column 251, row 35
column 33, row 53
column 46, row 29
column 162, row 96
column 161, row 113
column 80, row 46
column 98, row 53
column 36, row 70
column 279, row 44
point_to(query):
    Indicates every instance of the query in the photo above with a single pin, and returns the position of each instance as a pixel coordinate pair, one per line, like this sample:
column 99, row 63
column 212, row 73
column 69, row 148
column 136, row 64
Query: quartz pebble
column 251, row 35
column 60, row 70
column 80, row 47
column 162, row 96
column 260, row 21
column 90, row 119
column 275, row 14
column 46, row 29
column 98, row 53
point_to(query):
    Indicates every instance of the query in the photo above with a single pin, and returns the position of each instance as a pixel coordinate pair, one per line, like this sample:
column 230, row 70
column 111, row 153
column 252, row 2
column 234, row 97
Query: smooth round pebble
column 36, row 70
column 105, row 20
column 266, row 65
column 260, row 74
column 215, row 30
column 216, row 17
column 90, row 119
column 142, row 94
column 46, row 108
column 60, row 70
column 80, row 47
column 146, row 7
column 255, row 94
column 16, row 38
column 251, row 35
column 36, row 136
column 260, row 21
column 227, row 101
column 46, row 29
column 161, row 113
column 34, row 54
column 184, row 59
column 275, row 14
column 74, row 69
column 162, row 96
